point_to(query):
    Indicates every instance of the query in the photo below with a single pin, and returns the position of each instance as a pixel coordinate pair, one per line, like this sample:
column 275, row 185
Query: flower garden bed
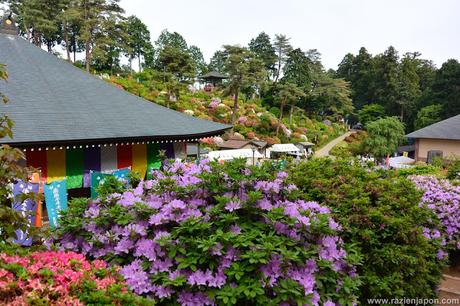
column 61, row 278
column 323, row 233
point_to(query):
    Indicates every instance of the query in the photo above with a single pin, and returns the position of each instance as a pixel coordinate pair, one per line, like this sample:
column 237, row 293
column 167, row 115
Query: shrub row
column 217, row 234
column 382, row 219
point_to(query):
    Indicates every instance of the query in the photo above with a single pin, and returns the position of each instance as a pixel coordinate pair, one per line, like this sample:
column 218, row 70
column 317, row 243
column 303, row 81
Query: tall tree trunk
column 139, row 60
column 37, row 39
column 88, row 55
column 291, row 113
column 29, row 34
column 277, row 72
column 66, row 41
column 88, row 39
column 402, row 113
column 235, row 107
column 280, row 119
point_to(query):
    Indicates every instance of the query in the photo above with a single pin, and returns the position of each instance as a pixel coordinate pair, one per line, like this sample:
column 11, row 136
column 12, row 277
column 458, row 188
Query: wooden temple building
column 212, row 80
column 69, row 122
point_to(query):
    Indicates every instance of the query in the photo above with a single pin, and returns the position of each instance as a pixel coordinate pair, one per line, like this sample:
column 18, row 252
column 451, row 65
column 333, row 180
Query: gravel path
column 324, row 151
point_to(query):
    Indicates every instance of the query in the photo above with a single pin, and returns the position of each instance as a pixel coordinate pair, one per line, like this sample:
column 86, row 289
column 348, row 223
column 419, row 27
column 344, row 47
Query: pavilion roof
column 213, row 75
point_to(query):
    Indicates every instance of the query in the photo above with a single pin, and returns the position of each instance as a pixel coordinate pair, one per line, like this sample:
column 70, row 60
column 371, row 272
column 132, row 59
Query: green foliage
column 428, row 115
column 453, row 170
column 353, row 145
column 282, row 48
column 139, row 44
column 359, row 70
column 419, row 169
column 198, row 60
column 217, row 62
column 382, row 219
column 89, row 294
column 371, row 112
column 384, row 136
column 287, row 93
column 341, row 150
column 445, row 88
column 409, row 84
column 302, row 68
column 263, row 49
column 401, row 86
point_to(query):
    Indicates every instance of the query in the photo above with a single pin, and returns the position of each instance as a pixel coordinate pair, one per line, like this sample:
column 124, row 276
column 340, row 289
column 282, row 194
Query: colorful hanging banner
column 153, row 159
column 124, row 156
column 75, row 165
column 27, row 208
column 56, row 165
column 140, row 159
column 92, row 159
column 87, row 179
column 36, row 179
column 56, row 200
column 109, row 159
column 37, row 159
column 74, row 168
column 180, row 150
column 169, row 150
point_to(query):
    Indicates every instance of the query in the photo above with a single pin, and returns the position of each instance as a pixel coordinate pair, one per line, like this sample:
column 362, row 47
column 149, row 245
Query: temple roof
column 52, row 101
column 446, row 129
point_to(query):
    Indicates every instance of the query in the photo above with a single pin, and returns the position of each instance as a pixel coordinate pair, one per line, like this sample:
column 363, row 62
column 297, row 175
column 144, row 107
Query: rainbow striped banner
column 75, row 165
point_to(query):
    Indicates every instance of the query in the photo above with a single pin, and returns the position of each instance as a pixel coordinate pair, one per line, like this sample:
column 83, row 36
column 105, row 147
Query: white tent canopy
column 284, row 148
column 401, row 162
column 232, row 154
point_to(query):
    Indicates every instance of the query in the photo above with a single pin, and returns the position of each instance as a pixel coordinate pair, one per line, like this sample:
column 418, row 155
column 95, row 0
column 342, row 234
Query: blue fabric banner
column 56, row 200
column 122, row 174
column 98, row 178
column 27, row 208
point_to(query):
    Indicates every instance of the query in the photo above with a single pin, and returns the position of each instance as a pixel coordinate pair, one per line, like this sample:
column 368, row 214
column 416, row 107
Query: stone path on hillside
column 324, row 151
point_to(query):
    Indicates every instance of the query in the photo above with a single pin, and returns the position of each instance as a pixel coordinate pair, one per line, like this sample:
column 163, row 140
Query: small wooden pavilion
column 212, row 79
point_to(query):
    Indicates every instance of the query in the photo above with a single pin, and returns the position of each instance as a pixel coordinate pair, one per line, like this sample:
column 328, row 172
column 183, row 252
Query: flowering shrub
column 214, row 103
column 217, row 234
column 444, row 199
column 60, row 278
column 381, row 217
column 242, row 120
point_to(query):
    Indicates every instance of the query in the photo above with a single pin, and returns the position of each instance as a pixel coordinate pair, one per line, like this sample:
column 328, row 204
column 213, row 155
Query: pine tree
column 244, row 70
column 263, row 49
column 138, row 40
column 282, row 49
column 98, row 19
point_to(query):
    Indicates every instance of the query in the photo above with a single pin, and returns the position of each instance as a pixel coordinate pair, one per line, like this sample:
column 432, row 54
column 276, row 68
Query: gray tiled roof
column 214, row 74
column 446, row 129
column 51, row 101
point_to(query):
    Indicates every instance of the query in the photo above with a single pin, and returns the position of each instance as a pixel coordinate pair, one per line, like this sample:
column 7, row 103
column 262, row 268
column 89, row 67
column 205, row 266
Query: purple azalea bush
column 211, row 234
column 443, row 198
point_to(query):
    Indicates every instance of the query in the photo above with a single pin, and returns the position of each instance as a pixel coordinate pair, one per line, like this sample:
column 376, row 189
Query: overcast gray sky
column 334, row 27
